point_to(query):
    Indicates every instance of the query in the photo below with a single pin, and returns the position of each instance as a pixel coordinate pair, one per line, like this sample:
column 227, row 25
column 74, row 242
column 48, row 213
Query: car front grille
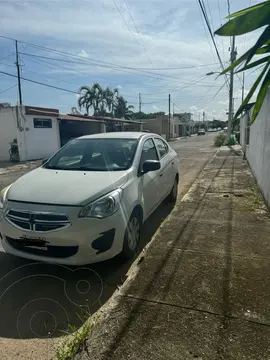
column 37, row 221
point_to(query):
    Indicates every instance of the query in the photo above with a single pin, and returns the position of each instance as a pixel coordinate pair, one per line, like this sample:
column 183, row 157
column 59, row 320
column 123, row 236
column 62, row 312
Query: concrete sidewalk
column 201, row 289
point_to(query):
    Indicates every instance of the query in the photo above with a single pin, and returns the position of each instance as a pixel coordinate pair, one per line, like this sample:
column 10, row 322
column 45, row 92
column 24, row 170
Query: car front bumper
column 84, row 241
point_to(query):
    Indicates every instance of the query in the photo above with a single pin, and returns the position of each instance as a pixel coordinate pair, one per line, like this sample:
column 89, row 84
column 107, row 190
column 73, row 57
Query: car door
column 150, row 182
column 167, row 170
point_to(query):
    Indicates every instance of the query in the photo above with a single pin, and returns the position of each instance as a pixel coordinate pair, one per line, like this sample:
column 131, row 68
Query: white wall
column 37, row 143
column 8, row 131
column 258, row 150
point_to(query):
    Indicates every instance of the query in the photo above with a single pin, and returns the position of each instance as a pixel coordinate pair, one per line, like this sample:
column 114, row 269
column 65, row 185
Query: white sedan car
column 87, row 202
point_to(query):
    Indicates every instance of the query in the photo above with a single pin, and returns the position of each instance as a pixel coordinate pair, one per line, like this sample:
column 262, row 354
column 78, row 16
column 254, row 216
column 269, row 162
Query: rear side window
column 162, row 147
column 149, row 151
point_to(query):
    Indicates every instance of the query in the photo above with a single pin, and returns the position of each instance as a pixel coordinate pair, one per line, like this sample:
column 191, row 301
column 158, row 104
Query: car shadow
column 39, row 300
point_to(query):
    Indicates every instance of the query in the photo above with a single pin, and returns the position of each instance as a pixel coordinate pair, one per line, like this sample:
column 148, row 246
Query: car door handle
column 161, row 174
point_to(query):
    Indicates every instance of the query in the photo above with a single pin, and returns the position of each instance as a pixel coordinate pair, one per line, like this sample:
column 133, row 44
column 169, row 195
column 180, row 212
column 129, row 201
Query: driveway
column 39, row 302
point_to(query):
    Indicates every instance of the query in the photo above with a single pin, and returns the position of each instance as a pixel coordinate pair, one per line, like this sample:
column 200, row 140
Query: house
column 176, row 128
column 186, row 124
column 39, row 132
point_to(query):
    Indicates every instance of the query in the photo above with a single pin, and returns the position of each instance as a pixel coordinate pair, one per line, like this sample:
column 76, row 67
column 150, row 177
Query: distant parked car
column 87, row 203
column 201, row 132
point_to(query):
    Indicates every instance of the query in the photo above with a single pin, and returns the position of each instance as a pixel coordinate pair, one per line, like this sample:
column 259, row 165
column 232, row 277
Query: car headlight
column 3, row 195
column 102, row 207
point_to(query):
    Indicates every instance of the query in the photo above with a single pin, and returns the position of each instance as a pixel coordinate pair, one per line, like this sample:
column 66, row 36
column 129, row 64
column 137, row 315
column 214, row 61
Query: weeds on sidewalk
column 70, row 347
column 220, row 140
column 251, row 202
column 75, row 341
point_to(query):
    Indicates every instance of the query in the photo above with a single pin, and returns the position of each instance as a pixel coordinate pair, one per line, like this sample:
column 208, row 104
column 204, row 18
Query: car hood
column 65, row 187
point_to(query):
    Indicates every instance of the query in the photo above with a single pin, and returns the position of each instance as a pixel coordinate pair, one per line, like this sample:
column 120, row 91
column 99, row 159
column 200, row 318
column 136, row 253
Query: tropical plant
column 92, row 97
column 242, row 22
column 122, row 109
column 110, row 97
column 220, row 140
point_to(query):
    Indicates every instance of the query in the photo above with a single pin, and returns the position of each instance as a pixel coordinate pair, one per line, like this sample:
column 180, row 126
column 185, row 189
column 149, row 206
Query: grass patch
column 220, row 140
column 70, row 347
column 251, row 202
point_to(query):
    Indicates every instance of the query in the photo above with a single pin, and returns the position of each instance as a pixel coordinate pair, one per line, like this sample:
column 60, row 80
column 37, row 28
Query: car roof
column 118, row 135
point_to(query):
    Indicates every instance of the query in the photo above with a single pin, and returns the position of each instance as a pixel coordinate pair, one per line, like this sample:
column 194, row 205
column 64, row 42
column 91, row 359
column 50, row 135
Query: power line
column 211, row 19
column 152, row 77
column 89, row 60
column 229, row 7
column 117, row 68
column 211, row 34
column 39, row 83
column 203, row 95
column 146, row 52
column 206, row 34
column 125, row 67
column 5, row 57
column 119, row 11
column 42, row 61
column 11, row 87
column 219, row 12
column 218, row 91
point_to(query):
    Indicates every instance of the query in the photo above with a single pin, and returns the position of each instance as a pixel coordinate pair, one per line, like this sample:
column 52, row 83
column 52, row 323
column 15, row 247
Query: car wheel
column 172, row 197
column 132, row 236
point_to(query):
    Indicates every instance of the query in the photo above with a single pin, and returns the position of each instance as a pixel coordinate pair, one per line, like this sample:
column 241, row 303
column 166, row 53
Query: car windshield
column 94, row 155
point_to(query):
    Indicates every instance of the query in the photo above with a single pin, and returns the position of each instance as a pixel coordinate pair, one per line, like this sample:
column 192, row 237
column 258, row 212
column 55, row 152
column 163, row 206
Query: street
column 40, row 301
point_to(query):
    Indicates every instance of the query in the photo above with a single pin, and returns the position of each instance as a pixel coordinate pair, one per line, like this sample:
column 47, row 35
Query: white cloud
column 172, row 33
column 83, row 53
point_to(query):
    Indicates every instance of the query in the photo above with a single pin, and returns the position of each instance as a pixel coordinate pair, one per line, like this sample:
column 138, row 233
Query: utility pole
column 18, row 73
column 169, row 122
column 233, row 57
column 140, row 103
column 203, row 116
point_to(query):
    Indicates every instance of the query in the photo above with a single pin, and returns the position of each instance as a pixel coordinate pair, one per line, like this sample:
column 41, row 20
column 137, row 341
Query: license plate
column 33, row 241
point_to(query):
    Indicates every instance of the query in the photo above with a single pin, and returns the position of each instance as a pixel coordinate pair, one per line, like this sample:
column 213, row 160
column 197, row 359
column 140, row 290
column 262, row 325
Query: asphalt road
column 39, row 302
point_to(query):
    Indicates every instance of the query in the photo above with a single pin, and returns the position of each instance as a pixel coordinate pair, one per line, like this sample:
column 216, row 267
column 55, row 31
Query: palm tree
column 92, row 97
column 122, row 110
column 98, row 98
column 86, row 98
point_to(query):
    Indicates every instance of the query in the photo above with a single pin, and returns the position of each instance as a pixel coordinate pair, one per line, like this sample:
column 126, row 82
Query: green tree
column 110, row 97
column 92, row 97
column 122, row 109
column 243, row 22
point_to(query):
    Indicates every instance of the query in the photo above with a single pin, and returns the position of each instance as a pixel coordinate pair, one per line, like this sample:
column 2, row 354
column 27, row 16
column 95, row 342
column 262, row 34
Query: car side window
column 149, row 151
column 162, row 147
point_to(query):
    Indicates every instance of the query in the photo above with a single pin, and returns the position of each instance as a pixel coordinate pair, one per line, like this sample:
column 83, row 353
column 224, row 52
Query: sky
column 152, row 47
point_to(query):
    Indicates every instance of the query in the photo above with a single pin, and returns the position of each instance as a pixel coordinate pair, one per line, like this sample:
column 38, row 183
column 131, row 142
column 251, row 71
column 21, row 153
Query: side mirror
column 151, row 165
column 44, row 160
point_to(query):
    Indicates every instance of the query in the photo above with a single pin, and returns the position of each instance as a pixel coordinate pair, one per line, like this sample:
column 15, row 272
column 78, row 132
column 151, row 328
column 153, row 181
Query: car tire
column 132, row 236
column 172, row 197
